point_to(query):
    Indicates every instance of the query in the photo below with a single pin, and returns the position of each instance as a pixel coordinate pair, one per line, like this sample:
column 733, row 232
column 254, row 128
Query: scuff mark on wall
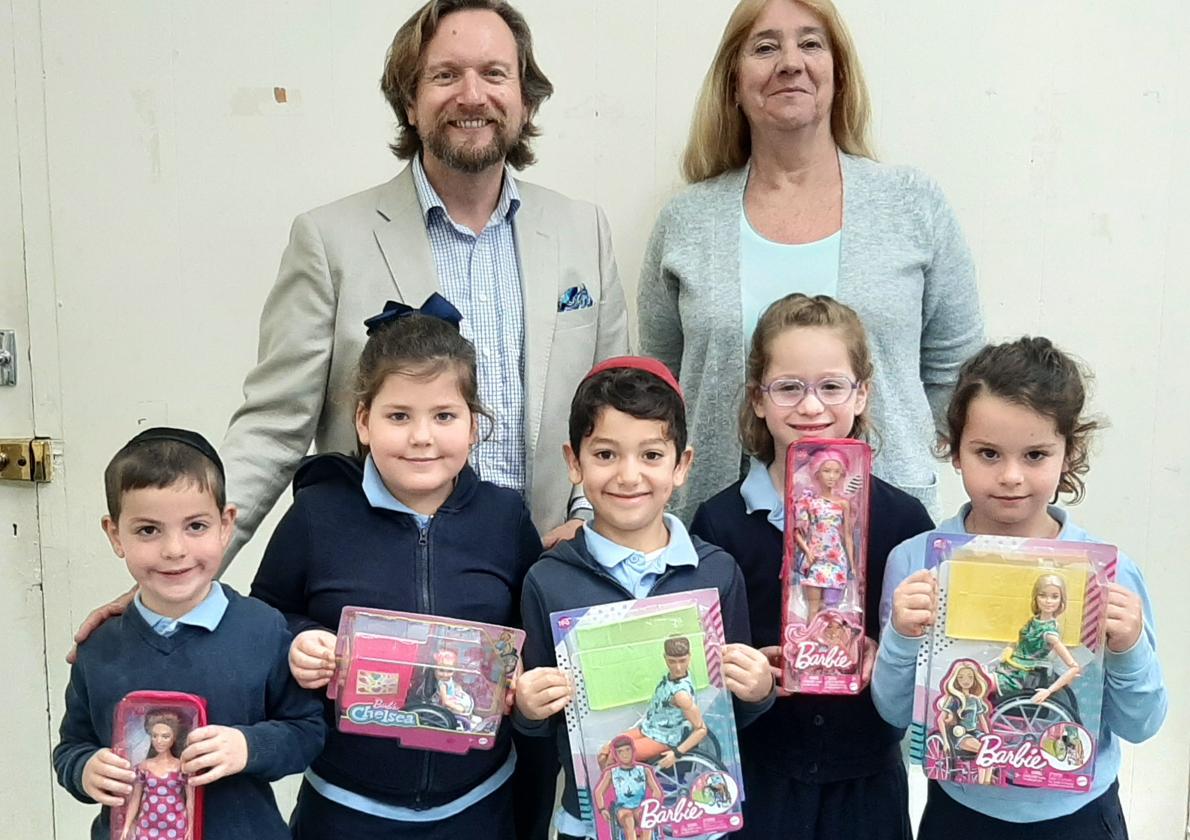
column 258, row 101
column 145, row 100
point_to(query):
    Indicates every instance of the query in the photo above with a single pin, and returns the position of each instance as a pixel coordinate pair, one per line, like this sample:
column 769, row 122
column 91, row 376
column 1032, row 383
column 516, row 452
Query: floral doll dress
column 820, row 521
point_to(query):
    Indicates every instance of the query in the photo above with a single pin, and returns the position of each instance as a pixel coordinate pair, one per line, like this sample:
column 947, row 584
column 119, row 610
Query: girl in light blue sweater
column 1017, row 434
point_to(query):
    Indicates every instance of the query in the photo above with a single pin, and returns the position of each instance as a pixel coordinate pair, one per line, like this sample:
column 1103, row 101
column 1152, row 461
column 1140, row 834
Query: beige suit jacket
column 343, row 262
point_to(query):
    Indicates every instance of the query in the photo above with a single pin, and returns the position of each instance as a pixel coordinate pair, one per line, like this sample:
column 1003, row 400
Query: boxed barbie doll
column 433, row 683
column 150, row 731
column 1010, row 681
column 823, row 575
column 652, row 731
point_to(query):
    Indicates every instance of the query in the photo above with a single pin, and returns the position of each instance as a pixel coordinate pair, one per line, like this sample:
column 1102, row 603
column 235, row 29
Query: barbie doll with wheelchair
column 1026, row 713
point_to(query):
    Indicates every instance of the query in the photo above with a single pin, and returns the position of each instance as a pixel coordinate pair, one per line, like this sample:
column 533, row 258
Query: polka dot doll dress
column 163, row 806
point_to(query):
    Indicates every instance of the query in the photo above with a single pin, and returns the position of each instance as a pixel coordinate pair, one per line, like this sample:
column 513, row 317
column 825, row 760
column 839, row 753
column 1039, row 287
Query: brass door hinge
column 26, row 459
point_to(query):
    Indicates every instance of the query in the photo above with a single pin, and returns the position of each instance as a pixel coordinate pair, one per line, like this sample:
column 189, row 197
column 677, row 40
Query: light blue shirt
column 636, row 571
column 759, row 494
column 481, row 275
column 207, row 614
column 1134, row 696
column 378, row 494
column 770, row 270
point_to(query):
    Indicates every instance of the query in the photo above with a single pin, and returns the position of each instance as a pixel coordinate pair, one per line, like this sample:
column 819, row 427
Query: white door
column 163, row 150
column 25, row 797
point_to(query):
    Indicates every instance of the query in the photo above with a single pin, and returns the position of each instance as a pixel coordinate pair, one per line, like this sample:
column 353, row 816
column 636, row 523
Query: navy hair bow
column 436, row 306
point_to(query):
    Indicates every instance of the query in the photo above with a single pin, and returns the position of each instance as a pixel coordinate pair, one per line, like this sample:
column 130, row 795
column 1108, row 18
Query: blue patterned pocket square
column 576, row 297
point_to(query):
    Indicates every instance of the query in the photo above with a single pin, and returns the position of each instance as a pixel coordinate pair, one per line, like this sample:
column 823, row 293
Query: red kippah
column 645, row 363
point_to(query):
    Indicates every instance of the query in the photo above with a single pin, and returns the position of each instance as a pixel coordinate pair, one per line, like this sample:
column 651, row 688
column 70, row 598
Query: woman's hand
column 312, row 658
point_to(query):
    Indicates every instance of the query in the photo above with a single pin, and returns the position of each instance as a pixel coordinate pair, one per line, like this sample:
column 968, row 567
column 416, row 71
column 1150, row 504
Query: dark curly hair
column 1031, row 372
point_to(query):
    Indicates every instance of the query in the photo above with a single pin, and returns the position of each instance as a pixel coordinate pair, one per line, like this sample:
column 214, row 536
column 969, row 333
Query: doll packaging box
column 825, row 563
column 1009, row 684
column 651, row 726
column 150, row 731
column 433, row 683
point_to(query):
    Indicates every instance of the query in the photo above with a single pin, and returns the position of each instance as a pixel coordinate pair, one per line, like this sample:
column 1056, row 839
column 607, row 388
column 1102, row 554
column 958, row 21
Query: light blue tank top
column 770, row 270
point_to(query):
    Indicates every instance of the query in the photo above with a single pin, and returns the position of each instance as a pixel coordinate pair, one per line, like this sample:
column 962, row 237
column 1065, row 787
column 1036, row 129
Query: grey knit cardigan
column 903, row 266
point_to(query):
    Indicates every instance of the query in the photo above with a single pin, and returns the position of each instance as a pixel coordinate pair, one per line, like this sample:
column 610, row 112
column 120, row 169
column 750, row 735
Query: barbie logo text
column 654, row 813
column 380, row 715
column 1024, row 756
column 810, row 656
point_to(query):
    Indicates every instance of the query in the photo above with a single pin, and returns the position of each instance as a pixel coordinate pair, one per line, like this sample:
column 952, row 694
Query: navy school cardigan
column 812, row 738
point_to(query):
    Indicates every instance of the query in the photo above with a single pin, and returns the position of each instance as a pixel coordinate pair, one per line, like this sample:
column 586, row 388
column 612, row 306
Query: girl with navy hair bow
column 404, row 525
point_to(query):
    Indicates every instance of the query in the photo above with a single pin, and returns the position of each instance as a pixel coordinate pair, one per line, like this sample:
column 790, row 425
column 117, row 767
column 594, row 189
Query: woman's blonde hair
column 797, row 310
column 720, row 138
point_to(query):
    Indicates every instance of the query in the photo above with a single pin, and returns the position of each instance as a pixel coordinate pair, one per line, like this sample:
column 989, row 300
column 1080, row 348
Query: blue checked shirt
column 481, row 276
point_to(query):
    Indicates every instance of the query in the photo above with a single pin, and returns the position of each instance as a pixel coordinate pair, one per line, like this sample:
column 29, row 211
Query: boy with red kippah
column 628, row 449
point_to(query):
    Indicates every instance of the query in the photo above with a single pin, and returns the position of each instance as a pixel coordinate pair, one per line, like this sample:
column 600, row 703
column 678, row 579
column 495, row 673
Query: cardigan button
column 813, row 768
column 819, row 720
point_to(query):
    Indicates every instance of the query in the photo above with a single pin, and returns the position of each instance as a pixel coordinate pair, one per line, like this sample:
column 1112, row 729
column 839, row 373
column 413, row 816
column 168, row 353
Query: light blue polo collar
column 207, row 614
column 635, row 565
column 378, row 494
column 760, row 494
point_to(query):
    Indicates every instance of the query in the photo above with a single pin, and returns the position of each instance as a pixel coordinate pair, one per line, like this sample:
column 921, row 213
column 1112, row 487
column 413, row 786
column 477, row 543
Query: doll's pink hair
column 446, row 657
column 822, row 456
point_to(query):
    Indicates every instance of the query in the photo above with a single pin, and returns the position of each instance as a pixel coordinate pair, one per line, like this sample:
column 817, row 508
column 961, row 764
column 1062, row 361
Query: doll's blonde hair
column 1049, row 579
column 981, row 684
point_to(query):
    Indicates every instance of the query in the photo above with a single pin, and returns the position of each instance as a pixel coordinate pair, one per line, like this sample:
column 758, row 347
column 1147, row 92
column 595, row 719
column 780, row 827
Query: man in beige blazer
column 531, row 270
column 472, row 90
column 346, row 259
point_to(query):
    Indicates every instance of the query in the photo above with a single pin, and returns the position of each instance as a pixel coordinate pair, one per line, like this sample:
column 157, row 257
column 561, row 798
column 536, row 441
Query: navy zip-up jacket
column 809, row 737
column 333, row 549
column 567, row 577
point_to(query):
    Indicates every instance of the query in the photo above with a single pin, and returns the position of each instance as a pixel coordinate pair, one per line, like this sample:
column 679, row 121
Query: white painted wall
column 161, row 177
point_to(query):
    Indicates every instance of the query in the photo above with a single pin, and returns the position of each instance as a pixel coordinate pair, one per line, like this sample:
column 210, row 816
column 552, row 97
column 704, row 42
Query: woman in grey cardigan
column 785, row 196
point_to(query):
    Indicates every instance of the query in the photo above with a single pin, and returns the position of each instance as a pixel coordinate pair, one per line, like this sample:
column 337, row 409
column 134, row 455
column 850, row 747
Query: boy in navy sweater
column 168, row 519
column 628, row 450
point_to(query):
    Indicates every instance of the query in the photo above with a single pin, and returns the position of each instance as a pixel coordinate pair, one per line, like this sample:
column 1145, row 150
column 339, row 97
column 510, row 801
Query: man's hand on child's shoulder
column 746, row 672
column 97, row 617
column 1125, row 619
column 213, row 752
column 108, row 778
column 542, row 692
column 312, row 658
column 914, row 603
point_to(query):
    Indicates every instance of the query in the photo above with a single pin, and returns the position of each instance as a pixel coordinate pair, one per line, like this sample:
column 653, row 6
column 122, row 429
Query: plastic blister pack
column 825, row 565
column 433, row 683
column 150, row 731
column 652, row 728
column 1009, row 686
